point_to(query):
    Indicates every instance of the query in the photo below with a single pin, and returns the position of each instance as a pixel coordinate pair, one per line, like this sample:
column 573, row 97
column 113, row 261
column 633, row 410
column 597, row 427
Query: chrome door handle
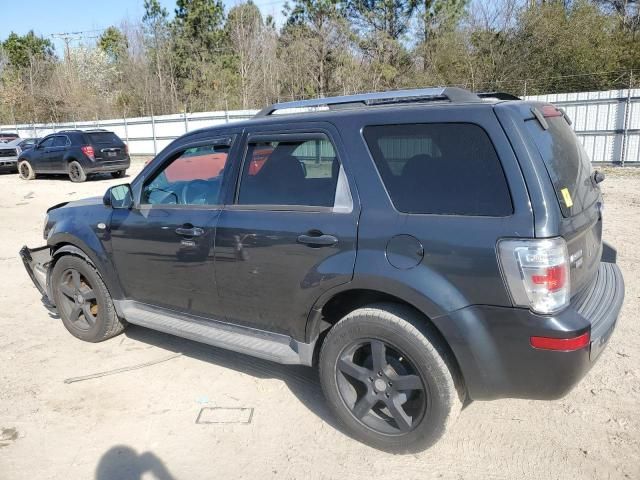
column 318, row 240
column 190, row 231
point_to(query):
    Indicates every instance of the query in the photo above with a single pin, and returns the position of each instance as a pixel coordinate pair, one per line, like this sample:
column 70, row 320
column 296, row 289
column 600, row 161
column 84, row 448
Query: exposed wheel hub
column 380, row 385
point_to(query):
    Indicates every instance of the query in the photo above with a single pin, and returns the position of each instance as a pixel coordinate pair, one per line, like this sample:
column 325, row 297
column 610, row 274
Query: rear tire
column 118, row 174
column 83, row 301
column 25, row 170
column 76, row 172
column 389, row 379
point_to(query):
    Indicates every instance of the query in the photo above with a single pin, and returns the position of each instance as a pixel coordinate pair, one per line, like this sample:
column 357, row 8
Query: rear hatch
column 577, row 194
column 107, row 146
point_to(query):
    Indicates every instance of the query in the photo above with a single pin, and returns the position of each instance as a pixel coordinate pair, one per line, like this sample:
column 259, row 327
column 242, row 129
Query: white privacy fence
column 143, row 135
column 608, row 123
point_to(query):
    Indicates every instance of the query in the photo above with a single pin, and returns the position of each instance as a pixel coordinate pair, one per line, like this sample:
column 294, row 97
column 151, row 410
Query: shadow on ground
column 122, row 462
column 303, row 381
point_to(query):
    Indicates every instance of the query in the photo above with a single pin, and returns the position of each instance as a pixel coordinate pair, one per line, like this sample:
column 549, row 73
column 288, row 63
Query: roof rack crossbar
column 452, row 94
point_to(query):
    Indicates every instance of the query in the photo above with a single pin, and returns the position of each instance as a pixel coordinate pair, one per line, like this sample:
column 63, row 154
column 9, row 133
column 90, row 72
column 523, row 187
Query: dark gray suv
column 423, row 248
column 76, row 153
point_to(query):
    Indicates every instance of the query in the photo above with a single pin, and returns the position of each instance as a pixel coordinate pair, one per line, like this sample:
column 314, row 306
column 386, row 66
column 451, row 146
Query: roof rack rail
column 452, row 94
column 498, row 95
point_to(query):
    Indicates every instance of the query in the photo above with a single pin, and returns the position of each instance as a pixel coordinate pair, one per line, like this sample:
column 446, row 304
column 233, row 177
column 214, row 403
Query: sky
column 48, row 17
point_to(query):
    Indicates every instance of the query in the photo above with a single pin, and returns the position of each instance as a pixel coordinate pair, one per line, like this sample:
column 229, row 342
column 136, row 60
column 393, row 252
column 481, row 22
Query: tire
column 76, row 172
column 91, row 317
column 118, row 174
column 25, row 170
column 400, row 420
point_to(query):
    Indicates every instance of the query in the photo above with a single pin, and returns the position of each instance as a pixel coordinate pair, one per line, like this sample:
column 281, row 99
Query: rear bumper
column 36, row 262
column 107, row 166
column 493, row 349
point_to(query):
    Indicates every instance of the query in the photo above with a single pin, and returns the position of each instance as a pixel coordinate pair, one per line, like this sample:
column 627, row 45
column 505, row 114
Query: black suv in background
column 76, row 153
column 423, row 248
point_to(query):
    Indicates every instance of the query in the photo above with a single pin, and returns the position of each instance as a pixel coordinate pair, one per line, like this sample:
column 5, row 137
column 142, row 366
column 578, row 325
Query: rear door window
column 440, row 168
column 567, row 163
column 301, row 172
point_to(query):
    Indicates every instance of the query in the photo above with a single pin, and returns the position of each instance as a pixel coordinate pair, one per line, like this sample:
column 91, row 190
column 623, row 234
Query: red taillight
column 563, row 344
column 88, row 151
column 553, row 279
column 550, row 111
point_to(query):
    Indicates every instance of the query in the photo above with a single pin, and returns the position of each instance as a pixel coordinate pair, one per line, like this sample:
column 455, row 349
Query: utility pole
column 68, row 37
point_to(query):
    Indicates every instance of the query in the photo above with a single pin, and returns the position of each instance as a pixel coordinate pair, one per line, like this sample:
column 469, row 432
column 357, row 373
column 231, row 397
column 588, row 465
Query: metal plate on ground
column 225, row 415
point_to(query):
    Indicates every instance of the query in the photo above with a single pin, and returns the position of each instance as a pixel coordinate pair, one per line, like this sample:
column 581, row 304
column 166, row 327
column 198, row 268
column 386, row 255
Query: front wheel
column 83, row 301
column 25, row 170
column 388, row 378
column 76, row 172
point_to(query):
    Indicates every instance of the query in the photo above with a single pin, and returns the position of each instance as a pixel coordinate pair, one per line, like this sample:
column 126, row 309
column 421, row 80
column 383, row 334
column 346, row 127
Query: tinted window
column 191, row 178
column 47, row 142
column 567, row 163
column 441, row 168
column 104, row 137
column 292, row 172
column 60, row 141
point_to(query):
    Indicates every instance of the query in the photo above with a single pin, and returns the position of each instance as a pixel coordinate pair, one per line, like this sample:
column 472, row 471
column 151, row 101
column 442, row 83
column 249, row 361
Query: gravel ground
column 142, row 423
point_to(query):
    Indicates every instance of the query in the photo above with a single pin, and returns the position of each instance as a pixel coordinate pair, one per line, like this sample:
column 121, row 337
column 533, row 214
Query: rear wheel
column 82, row 300
column 25, row 170
column 388, row 379
column 118, row 174
column 76, row 172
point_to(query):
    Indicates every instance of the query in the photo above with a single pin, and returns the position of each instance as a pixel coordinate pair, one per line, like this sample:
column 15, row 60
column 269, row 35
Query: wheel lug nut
column 390, row 384
column 386, row 395
column 379, row 374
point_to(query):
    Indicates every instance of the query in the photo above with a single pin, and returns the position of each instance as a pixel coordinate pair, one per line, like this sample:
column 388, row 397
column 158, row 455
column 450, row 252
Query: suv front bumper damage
column 493, row 349
column 37, row 261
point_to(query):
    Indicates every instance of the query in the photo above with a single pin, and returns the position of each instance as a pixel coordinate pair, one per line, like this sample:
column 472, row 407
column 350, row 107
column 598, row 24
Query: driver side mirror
column 119, row 197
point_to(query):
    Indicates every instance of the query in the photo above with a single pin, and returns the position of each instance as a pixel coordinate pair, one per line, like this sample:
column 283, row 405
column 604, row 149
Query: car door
column 163, row 247
column 55, row 153
column 40, row 156
column 288, row 233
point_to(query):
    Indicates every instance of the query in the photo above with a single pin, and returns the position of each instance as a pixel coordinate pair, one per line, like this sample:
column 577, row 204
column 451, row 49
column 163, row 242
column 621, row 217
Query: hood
column 78, row 203
column 11, row 144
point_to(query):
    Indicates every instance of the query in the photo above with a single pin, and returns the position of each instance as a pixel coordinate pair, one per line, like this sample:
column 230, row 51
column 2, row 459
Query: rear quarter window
column 440, row 168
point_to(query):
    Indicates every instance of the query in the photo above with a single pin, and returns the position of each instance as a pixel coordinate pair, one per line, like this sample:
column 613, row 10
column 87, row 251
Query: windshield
column 567, row 162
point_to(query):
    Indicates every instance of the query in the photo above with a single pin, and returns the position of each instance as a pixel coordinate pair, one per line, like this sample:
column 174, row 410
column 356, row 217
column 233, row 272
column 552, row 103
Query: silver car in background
column 10, row 151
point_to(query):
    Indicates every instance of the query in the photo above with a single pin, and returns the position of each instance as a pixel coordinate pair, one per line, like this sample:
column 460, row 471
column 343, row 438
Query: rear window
column 104, row 137
column 567, row 162
column 440, row 168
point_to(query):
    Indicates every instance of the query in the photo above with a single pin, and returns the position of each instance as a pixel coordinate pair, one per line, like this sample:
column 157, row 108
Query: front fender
column 70, row 237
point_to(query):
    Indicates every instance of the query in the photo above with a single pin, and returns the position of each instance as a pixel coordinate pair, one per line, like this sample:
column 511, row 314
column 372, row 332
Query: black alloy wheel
column 78, row 300
column 381, row 387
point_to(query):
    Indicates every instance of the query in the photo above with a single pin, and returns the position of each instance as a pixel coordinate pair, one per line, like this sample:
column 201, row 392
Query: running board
column 258, row 343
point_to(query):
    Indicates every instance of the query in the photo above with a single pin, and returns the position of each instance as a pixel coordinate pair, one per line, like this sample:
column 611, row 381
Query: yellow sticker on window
column 567, row 197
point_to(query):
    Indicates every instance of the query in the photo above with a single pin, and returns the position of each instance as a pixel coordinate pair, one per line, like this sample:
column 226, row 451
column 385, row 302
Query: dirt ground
column 142, row 423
